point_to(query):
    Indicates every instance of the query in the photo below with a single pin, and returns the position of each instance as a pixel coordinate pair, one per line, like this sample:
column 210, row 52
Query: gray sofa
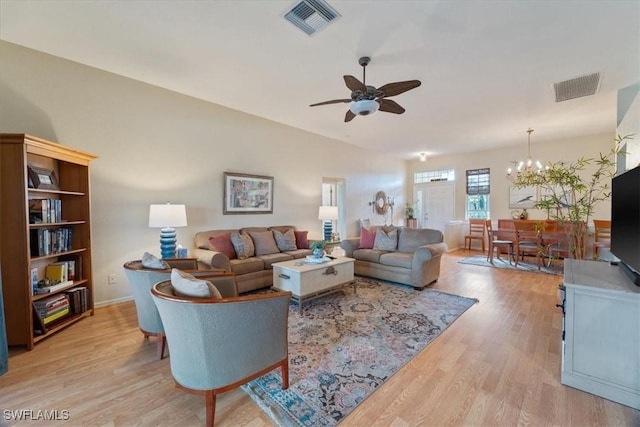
column 251, row 273
column 415, row 262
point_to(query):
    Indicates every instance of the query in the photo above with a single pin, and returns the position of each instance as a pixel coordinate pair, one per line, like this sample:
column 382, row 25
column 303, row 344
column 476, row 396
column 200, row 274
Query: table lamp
column 166, row 217
column 328, row 214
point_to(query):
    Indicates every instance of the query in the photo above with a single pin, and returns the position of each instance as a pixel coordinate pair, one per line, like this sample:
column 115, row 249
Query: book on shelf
column 57, row 272
column 79, row 299
column 53, row 288
column 46, row 241
column 39, row 327
column 43, row 211
column 57, row 315
column 34, row 280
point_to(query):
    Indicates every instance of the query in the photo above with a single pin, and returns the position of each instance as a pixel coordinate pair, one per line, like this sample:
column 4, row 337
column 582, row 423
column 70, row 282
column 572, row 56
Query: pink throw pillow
column 222, row 243
column 302, row 242
column 367, row 238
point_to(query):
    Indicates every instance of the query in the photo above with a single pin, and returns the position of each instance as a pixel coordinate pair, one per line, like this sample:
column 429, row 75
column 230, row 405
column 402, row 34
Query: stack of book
column 79, row 298
column 46, row 241
column 45, row 210
column 52, row 308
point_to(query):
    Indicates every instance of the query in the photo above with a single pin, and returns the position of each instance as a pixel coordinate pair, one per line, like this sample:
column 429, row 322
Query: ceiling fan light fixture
column 364, row 107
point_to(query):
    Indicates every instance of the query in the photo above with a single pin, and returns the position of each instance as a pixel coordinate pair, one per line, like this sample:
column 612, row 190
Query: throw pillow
column 286, row 241
column 302, row 241
column 151, row 261
column 367, row 237
column 386, row 241
column 243, row 245
column 222, row 243
column 185, row 285
column 264, row 242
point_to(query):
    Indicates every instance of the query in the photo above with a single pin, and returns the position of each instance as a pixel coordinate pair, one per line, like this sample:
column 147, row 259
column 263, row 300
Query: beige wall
column 499, row 160
column 156, row 146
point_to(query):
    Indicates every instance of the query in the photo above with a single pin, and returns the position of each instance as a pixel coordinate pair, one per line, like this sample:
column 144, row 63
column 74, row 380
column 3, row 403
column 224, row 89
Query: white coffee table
column 308, row 281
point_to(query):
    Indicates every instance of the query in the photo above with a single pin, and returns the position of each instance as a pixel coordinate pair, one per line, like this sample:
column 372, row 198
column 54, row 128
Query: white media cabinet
column 601, row 350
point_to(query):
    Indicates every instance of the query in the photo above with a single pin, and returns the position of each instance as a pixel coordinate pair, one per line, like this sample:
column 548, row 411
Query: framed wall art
column 523, row 198
column 247, row 194
column 42, row 179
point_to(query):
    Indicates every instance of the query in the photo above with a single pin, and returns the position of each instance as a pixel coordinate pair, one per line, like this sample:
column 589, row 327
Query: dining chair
column 218, row 344
column 602, row 237
column 497, row 241
column 527, row 241
column 562, row 240
column 476, row 232
column 141, row 279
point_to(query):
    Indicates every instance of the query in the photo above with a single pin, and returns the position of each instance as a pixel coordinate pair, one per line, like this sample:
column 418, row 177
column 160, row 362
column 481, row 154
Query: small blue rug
column 345, row 345
column 556, row 267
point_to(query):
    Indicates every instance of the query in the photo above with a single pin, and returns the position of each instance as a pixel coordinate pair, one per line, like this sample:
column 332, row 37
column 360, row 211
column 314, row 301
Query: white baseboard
column 113, row 301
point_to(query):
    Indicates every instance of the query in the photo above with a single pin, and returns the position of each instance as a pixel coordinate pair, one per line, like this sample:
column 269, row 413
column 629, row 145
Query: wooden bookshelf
column 70, row 168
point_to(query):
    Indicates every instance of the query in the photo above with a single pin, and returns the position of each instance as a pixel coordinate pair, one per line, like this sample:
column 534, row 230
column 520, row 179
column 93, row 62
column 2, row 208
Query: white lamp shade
column 167, row 215
column 328, row 212
column 364, row 107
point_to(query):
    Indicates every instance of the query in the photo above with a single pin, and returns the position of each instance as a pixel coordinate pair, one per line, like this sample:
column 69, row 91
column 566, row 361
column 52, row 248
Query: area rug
column 345, row 345
column 556, row 266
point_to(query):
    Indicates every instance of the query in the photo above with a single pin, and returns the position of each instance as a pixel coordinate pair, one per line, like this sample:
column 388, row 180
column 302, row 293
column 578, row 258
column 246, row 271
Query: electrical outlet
column 111, row 279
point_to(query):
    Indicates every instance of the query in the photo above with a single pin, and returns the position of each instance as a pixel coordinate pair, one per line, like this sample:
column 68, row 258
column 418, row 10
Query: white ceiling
column 487, row 67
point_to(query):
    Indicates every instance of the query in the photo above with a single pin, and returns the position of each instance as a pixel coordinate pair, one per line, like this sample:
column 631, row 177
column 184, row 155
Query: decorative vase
column 318, row 252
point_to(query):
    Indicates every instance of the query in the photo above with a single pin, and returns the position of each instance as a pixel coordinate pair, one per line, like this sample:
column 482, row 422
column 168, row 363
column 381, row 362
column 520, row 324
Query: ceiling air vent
column 311, row 15
column 577, row 87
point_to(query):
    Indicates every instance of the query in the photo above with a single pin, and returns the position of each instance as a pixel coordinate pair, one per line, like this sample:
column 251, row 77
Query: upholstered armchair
column 141, row 280
column 217, row 344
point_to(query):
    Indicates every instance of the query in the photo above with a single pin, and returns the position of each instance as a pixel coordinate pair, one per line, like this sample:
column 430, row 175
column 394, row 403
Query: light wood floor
column 498, row 365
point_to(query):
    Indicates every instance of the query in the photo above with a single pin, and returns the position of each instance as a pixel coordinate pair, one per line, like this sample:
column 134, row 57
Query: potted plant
column 571, row 190
column 317, row 246
column 409, row 210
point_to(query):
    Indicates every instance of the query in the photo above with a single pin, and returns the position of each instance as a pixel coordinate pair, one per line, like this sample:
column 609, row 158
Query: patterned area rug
column 556, row 266
column 347, row 344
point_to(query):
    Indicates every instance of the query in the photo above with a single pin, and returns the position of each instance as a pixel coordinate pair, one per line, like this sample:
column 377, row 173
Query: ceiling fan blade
column 333, row 101
column 349, row 116
column 354, row 84
column 393, row 89
column 390, row 106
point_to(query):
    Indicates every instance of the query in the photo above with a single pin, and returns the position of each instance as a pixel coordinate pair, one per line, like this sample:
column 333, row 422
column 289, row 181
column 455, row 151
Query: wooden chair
column 141, row 280
column 527, row 241
column 497, row 241
column 217, row 344
column 476, row 232
column 602, row 238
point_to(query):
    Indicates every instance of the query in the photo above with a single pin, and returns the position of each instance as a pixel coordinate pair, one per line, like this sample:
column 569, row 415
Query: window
column 429, row 176
column 478, row 189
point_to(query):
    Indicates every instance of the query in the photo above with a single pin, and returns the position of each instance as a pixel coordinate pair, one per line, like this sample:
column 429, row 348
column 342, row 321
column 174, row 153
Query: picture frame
column 42, row 178
column 247, row 194
column 523, row 198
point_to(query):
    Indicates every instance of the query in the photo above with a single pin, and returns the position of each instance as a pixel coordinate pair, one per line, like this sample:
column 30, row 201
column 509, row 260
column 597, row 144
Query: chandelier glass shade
column 529, row 165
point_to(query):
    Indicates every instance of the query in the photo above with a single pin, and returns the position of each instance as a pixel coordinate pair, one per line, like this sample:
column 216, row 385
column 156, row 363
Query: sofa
column 253, row 269
column 404, row 255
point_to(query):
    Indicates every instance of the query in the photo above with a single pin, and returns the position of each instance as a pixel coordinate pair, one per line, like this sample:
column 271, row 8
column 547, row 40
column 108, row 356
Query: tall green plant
column 570, row 191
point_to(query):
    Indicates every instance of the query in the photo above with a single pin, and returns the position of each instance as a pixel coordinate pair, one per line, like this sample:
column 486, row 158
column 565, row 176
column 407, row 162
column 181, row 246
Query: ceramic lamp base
column 327, row 230
column 168, row 242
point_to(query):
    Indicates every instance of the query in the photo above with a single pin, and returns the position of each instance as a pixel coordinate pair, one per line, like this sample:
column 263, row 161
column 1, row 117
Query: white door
column 436, row 201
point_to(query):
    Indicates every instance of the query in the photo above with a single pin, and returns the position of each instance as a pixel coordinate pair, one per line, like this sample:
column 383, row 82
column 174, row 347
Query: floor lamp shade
column 328, row 214
column 166, row 217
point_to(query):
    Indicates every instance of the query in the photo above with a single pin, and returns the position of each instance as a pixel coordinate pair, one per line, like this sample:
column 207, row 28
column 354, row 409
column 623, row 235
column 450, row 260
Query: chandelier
column 529, row 165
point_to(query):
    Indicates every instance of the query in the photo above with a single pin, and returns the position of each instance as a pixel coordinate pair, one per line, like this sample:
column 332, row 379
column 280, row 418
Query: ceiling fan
column 367, row 99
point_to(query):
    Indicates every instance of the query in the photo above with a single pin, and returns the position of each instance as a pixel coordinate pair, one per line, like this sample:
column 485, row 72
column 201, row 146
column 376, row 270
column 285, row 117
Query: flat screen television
column 625, row 222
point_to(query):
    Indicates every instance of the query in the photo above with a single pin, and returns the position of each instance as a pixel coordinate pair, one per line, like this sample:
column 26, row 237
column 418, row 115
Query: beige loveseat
column 415, row 260
column 254, row 272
